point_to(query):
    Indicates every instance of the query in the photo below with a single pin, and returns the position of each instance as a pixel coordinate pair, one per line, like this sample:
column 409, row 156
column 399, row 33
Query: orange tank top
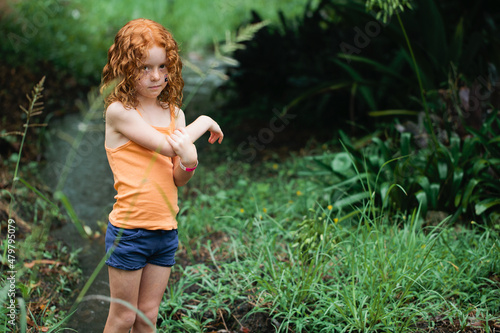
column 144, row 181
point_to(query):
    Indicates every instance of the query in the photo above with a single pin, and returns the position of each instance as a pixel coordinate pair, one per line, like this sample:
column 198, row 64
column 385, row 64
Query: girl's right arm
column 126, row 124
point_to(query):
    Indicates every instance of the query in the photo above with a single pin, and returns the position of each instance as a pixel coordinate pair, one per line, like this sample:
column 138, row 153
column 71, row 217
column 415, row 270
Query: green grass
column 286, row 254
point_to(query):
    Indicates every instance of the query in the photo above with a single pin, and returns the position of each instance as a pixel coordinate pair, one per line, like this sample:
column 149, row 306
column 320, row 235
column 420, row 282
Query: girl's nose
column 155, row 75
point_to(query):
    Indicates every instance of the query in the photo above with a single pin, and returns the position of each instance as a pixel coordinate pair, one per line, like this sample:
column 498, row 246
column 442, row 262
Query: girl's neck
column 148, row 103
column 153, row 112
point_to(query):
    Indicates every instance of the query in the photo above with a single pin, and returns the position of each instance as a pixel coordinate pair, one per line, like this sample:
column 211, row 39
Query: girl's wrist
column 188, row 167
column 207, row 120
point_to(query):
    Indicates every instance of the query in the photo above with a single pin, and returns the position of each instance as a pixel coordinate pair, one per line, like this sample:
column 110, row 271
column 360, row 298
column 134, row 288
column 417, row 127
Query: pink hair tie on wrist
column 187, row 169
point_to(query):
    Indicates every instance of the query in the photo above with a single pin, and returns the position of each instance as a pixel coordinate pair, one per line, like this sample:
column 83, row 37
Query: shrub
column 337, row 63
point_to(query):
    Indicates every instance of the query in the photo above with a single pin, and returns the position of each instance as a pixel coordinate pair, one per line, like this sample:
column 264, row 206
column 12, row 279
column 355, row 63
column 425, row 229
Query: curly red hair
column 125, row 59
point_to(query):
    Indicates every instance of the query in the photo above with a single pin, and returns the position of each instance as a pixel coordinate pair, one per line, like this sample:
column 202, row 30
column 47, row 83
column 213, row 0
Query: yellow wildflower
column 330, row 207
column 336, row 220
column 242, row 210
column 299, row 193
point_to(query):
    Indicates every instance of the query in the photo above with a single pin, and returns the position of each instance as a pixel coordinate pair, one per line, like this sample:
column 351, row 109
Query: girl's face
column 153, row 76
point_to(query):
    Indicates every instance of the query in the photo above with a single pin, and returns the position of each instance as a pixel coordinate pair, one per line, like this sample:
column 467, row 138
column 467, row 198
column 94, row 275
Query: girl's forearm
column 166, row 149
column 181, row 177
column 199, row 127
column 195, row 130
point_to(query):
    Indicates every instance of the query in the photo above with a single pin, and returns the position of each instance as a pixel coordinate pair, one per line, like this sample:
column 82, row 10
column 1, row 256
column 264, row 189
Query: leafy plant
column 461, row 178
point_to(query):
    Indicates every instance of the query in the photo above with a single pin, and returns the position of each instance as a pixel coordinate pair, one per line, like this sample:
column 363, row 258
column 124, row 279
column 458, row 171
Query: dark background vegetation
column 455, row 43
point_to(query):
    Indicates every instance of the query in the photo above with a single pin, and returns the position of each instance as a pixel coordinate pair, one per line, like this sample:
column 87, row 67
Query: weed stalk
column 35, row 108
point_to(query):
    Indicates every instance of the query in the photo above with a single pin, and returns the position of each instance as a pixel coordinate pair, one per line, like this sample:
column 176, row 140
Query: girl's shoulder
column 180, row 118
column 178, row 113
column 117, row 110
column 116, row 106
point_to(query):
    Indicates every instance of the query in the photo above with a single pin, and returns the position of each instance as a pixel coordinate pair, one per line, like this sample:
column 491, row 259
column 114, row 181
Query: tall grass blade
column 59, row 195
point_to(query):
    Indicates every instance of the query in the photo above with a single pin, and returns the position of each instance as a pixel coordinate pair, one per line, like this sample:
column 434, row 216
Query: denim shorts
column 138, row 247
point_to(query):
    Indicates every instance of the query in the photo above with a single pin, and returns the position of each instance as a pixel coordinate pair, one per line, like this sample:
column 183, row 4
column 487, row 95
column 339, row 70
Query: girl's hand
column 215, row 132
column 183, row 146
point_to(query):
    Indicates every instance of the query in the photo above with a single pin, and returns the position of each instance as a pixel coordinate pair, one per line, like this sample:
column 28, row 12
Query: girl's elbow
column 179, row 183
column 169, row 152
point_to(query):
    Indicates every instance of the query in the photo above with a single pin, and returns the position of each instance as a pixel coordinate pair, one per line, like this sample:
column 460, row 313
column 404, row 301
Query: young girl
column 151, row 153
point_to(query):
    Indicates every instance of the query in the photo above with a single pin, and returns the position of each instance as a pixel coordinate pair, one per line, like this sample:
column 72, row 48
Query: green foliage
column 339, row 64
column 387, row 8
column 27, row 244
column 75, row 35
column 310, row 267
column 293, row 61
column 214, row 295
column 461, row 178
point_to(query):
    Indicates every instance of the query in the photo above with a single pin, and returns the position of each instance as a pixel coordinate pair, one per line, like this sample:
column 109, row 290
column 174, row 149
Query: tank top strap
column 171, row 126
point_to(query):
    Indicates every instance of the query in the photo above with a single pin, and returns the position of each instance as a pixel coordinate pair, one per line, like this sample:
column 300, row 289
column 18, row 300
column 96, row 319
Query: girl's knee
column 151, row 314
column 125, row 318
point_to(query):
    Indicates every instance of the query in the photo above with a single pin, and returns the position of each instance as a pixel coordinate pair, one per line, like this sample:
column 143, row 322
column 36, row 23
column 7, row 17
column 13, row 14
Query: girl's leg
column 154, row 281
column 125, row 286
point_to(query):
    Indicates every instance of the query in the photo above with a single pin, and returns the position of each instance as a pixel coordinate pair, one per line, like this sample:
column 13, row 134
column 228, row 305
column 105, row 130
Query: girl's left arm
column 181, row 177
column 186, row 152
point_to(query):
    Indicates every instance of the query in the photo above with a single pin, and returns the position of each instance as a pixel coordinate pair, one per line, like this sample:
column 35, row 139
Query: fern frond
column 193, row 67
column 248, row 32
column 235, row 42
